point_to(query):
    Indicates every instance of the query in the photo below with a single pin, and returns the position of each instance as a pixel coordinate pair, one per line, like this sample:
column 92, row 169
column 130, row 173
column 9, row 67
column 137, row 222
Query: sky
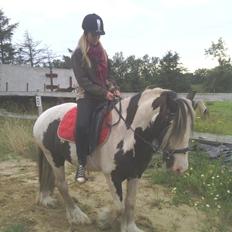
column 133, row 27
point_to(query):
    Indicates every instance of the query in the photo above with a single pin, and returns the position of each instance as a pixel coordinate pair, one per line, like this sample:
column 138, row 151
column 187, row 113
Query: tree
column 219, row 78
column 64, row 63
column 6, row 32
column 133, row 74
column 29, row 52
column 218, row 51
column 171, row 73
column 118, row 70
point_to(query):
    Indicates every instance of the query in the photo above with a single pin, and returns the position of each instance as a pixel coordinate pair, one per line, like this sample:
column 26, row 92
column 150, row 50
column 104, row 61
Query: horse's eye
column 171, row 115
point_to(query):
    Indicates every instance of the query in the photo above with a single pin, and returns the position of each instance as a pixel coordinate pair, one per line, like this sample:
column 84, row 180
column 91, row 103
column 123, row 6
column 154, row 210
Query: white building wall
column 18, row 76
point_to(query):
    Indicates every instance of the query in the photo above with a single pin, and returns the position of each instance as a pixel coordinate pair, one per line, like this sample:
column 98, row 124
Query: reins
column 155, row 148
column 167, row 153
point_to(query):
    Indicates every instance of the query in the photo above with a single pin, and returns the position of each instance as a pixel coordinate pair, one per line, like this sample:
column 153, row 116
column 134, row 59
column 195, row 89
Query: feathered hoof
column 76, row 216
column 133, row 228
column 47, row 201
column 107, row 218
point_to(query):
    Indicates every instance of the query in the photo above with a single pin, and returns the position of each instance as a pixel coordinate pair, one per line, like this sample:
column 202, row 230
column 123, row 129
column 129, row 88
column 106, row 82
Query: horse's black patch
column 132, row 109
column 120, row 144
column 59, row 151
column 132, row 164
column 125, row 164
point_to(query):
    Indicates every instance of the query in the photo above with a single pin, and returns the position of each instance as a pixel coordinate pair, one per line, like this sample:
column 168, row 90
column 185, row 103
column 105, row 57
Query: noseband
column 168, row 154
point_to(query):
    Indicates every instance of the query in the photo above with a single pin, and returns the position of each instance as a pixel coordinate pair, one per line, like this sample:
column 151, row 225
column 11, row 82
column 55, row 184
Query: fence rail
column 199, row 96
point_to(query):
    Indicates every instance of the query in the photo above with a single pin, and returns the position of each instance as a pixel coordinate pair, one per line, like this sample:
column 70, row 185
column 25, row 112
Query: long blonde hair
column 84, row 46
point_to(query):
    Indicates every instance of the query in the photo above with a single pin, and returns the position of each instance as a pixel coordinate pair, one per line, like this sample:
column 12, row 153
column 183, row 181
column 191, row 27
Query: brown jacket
column 86, row 77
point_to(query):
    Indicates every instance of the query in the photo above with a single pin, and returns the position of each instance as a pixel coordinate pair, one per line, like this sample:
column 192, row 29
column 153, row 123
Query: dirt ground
column 18, row 189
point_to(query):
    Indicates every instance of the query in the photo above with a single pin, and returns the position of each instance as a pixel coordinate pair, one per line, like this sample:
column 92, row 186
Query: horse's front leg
column 74, row 213
column 128, row 220
column 109, row 215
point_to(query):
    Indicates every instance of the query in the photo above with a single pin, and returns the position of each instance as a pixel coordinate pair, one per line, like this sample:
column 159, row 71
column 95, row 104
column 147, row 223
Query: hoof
column 76, row 216
column 133, row 228
column 47, row 201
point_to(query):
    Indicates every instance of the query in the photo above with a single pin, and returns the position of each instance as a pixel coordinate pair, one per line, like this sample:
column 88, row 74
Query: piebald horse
column 153, row 118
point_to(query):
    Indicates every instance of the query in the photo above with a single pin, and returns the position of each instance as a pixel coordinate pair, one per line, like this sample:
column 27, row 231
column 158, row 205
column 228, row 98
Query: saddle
column 100, row 125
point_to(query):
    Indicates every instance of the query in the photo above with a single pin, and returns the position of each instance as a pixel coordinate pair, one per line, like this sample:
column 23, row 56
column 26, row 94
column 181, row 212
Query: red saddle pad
column 67, row 131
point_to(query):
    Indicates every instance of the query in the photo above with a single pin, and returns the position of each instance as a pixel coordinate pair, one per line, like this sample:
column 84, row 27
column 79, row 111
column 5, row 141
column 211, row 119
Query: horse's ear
column 191, row 95
column 166, row 102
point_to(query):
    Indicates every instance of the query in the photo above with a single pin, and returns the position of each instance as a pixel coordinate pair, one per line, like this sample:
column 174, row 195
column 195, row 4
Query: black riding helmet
column 93, row 23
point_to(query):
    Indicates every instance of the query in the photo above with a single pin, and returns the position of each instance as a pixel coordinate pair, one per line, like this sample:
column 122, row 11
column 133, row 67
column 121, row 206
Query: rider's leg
column 85, row 108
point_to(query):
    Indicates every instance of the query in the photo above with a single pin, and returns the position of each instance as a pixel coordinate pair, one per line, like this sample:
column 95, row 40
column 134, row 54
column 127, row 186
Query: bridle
column 167, row 153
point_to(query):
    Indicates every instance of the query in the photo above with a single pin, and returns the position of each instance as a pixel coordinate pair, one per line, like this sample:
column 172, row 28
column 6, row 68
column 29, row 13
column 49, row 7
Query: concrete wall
column 18, row 76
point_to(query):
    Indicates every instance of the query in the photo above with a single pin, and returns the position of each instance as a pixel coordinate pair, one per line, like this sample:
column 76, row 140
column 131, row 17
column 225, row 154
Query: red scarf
column 98, row 58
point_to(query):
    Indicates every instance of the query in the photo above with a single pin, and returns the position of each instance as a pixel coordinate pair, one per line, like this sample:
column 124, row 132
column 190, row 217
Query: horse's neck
column 143, row 115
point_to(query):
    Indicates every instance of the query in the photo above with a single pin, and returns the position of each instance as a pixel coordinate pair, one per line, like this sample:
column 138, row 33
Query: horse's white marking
column 46, row 200
column 73, row 153
column 48, row 116
column 128, row 223
column 180, row 163
column 76, row 216
column 108, row 215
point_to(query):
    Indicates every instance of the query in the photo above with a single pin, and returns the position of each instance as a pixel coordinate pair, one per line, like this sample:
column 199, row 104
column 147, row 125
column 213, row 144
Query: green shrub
column 16, row 138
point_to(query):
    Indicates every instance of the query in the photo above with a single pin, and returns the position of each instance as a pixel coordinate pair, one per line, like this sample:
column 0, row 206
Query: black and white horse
column 153, row 117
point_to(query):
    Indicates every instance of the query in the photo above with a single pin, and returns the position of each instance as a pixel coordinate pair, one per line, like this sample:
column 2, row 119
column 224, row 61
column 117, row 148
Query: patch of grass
column 207, row 185
column 15, row 228
column 16, row 139
column 219, row 121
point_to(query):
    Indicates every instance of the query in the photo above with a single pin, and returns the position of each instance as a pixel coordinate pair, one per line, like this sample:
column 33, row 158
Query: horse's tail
column 46, row 176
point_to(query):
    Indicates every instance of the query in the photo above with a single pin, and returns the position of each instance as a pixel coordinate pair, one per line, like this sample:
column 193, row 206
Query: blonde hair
column 83, row 45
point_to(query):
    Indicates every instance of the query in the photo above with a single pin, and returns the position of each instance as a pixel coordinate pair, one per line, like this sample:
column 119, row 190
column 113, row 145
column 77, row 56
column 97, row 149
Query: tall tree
column 219, row 78
column 6, row 32
column 30, row 53
column 219, row 51
column 171, row 73
column 64, row 63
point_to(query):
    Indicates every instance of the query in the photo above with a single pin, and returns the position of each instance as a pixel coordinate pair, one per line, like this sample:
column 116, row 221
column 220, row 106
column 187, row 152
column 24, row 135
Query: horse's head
column 172, row 127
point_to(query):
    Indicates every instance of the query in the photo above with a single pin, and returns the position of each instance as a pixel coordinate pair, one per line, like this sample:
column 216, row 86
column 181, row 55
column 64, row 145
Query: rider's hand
column 110, row 96
column 117, row 93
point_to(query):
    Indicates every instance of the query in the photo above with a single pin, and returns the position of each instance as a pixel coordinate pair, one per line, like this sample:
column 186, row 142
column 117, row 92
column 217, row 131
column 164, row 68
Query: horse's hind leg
column 50, row 176
column 46, row 182
column 74, row 213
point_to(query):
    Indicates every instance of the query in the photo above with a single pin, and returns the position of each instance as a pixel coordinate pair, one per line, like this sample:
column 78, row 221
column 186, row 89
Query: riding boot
column 81, row 174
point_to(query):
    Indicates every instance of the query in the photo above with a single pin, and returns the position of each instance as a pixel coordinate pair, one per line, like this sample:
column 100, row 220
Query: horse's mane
column 177, row 128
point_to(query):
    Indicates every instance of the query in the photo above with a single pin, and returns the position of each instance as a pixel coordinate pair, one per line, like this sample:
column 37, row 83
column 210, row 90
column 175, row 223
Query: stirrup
column 80, row 175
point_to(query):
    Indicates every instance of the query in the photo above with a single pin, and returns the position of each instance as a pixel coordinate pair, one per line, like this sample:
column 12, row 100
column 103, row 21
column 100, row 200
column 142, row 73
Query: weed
column 207, row 185
column 16, row 139
column 15, row 228
column 218, row 122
